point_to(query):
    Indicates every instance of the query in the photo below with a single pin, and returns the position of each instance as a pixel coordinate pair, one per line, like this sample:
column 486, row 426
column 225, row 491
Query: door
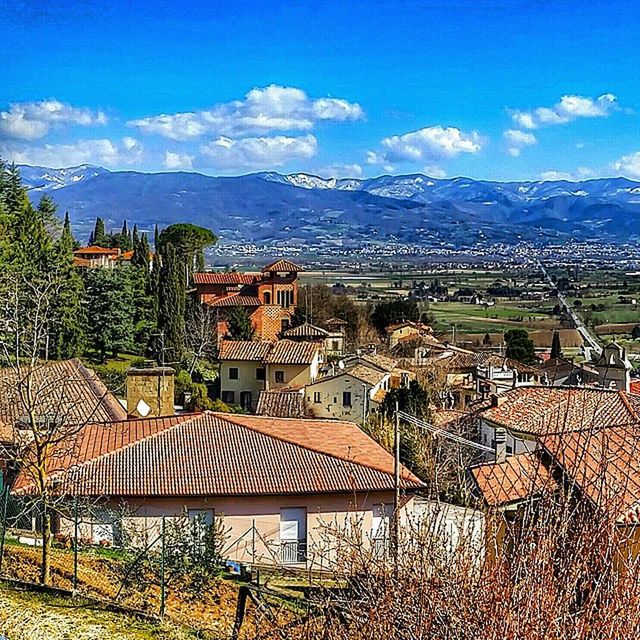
column 293, row 535
column 245, row 400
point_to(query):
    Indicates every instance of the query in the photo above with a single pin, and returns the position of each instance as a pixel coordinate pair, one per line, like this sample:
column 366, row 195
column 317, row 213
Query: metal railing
column 293, row 551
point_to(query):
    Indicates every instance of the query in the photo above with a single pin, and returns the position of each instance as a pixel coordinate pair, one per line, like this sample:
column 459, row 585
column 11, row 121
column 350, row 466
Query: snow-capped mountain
column 45, row 179
column 305, row 209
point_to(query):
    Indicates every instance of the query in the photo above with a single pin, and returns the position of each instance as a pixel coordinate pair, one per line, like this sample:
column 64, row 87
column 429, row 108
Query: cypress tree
column 556, row 348
column 99, row 237
column 171, row 305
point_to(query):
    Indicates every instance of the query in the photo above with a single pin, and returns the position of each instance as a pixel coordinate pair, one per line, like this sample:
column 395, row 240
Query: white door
column 293, row 534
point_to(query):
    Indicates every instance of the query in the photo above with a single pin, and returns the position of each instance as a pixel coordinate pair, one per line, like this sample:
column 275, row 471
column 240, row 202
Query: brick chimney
column 150, row 391
column 500, row 439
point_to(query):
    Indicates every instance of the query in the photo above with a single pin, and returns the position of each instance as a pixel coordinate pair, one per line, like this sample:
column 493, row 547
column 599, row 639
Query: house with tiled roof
column 269, row 297
column 598, row 467
column 65, row 391
column 248, row 367
column 528, row 413
column 94, row 256
column 333, row 341
column 354, row 387
column 406, row 330
column 288, row 480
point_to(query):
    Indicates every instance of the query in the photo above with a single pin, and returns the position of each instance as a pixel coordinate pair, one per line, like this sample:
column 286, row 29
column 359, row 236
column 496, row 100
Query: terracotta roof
column 236, row 301
column 471, row 360
column 281, row 352
column 249, row 350
column 224, row 278
column 541, row 410
column 380, row 362
column 306, row 330
column 379, row 396
column 97, row 251
column 232, row 455
column 365, row 374
column 292, row 352
column 81, row 262
column 281, row 404
column 65, row 390
column 604, row 464
column 634, row 387
column 282, row 266
column 517, row 478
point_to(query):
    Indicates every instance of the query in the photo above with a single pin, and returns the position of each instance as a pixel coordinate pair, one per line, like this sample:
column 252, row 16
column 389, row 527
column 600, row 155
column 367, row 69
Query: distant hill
column 303, row 209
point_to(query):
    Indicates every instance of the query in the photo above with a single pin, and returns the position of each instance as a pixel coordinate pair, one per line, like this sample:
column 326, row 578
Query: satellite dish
column 143, row 408
column 341, row 364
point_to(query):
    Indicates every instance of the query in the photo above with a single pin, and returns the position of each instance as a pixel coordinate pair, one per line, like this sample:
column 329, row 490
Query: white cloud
column 33, row 120
column 581, row 173
column 430, row 143
column 174, row 160
column 263, row 110
column 517, row 139
column 260, row 152
column 628, row 165
column 567, row 109
column 434, row 171
column 96, row 151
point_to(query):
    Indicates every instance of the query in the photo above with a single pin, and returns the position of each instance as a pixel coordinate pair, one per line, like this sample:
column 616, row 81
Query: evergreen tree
column 520, row 347
column 110, row 301
column 239, row 324
column 171, row 304
column 99, row 237
column 556, row 348
column 156, row 239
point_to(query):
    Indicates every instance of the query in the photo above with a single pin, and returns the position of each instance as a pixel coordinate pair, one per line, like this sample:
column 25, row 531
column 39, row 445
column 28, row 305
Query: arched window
column 267, row 297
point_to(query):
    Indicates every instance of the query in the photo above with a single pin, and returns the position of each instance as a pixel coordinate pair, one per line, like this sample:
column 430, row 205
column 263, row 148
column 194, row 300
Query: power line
column 421, row 424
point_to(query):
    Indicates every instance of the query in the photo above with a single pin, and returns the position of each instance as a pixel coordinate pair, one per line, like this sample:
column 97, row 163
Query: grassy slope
column 31, row 616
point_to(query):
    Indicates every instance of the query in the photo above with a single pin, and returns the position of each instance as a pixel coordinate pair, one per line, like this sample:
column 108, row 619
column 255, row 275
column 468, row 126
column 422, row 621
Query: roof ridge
column 627, row 404
column 411, row 476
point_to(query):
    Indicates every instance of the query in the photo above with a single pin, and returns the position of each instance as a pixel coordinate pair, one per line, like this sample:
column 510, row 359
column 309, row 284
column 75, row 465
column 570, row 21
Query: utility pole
column 396, row 483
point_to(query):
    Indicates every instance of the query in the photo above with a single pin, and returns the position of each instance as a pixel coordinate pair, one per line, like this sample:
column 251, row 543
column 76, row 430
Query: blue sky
column 495, row 89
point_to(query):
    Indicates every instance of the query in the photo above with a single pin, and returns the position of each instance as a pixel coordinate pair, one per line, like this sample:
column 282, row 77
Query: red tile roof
column 248, row 350
column 236, row 301
column 229, row 455
column 366, row 374
column 306, row 330
column 281, row 404
column 224, row 278
column 292, row 352
column 516, row 479
column 65, row 390
column 541, row 410
column 282, row 266
column 604, row 464
column 97, row 251
column 281, row 352
column 379, row 362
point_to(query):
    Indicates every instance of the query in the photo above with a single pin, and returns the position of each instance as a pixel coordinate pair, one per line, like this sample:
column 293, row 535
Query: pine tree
column 239, row 324
column 556, row 348
column 171, row 304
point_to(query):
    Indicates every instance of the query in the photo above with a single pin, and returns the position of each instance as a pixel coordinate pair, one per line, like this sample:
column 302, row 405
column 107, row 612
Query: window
column 316, row 397
column 284, row 324
column 279, row 377
column 233, row 373
column 260, row 373
column 228, row 397
column 346, row 398
column 335, row 345
column 267, row 297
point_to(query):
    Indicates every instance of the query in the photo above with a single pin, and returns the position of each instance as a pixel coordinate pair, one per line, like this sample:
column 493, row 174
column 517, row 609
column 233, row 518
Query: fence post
column 253, row 541
column 4, row 523
column 162, row 552
column 76, row 531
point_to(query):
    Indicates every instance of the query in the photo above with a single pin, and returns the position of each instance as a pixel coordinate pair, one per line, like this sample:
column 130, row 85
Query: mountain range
column 302, row 209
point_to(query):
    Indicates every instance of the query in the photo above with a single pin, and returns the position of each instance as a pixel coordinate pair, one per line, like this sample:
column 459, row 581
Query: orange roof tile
column 281, row 404
column 224, row 278
column 97, row 251
column 236, row 301
column 517, row 478
column 542, row 410
column 292, row 352
column 282, row 266
column 248, row 350
column 214, row 454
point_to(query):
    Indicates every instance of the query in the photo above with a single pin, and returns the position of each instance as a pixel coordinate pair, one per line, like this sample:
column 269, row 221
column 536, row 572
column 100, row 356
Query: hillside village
column 268, row 432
